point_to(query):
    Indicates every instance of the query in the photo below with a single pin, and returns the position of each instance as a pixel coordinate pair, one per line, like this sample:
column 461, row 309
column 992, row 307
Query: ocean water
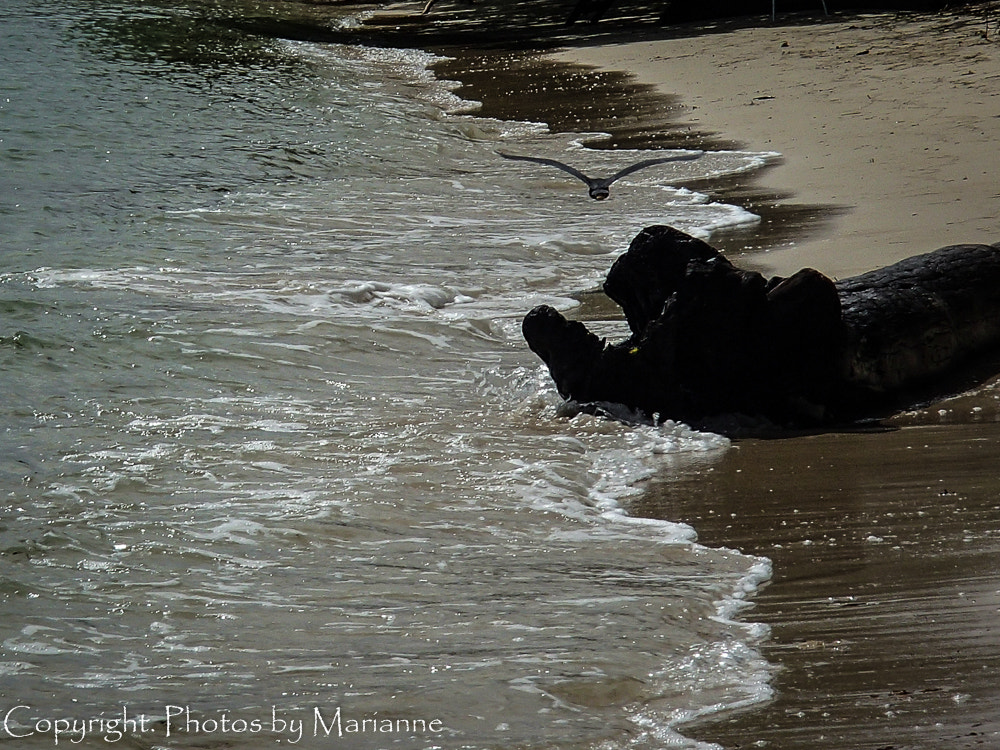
column 276, row 465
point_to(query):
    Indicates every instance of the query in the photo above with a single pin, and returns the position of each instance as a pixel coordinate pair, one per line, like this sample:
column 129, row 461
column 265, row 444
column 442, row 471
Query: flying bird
column 599, row 187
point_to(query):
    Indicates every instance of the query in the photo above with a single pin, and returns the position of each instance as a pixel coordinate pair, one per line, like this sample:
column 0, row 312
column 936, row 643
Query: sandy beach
column 893, row 118
column 884, row 601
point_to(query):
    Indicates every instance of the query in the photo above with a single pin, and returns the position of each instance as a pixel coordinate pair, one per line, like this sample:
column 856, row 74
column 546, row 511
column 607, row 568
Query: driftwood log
column 709, row 339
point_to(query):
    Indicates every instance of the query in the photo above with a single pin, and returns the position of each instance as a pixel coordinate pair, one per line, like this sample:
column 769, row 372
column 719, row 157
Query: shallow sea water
column 272, row 447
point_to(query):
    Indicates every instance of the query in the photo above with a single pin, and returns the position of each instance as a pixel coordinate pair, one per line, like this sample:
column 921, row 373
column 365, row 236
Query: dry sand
column 896, row 118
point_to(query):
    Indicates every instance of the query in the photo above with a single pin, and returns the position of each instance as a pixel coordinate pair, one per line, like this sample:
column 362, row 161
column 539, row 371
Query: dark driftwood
column 710, row 339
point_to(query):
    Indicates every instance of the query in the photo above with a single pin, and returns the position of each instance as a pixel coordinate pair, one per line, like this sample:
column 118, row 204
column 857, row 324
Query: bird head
column 599, row 193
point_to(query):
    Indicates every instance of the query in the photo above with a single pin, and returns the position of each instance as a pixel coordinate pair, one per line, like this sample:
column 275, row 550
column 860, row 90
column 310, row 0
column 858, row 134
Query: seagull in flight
column 599, row 187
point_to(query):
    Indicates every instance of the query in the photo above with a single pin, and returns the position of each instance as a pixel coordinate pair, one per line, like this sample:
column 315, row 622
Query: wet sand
column 884, row 606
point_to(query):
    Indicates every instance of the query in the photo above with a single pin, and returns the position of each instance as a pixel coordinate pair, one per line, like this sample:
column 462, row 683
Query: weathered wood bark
column 710, row 339
column 917, row 319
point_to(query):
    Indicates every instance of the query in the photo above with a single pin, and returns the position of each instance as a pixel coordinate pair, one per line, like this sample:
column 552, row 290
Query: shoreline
column 882, row 606
column 890, row 121
column 886, row 122
column 531, row 84
column 522, row 69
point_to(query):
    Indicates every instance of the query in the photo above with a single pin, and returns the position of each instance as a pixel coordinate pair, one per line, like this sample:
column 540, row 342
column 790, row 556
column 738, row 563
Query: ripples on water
column 271, row 436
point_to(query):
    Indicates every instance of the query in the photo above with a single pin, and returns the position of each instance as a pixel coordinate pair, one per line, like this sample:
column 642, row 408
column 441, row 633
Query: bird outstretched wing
column 650, row 162
column 551, row 163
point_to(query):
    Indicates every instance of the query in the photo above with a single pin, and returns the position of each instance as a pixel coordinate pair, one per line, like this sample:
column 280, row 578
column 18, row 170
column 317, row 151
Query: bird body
column 600, row 187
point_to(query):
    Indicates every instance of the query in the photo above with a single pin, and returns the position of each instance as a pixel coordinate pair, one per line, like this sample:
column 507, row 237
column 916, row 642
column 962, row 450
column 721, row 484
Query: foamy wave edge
column 739, row 671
